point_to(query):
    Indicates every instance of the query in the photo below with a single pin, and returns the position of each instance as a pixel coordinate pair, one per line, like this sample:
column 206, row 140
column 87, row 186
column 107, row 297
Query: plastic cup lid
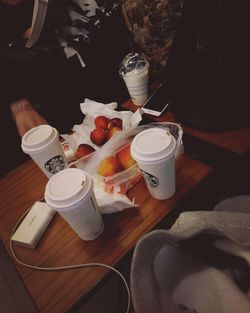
column 133, row 64
column 152, row 144
column 67, row 187
column 38, row 138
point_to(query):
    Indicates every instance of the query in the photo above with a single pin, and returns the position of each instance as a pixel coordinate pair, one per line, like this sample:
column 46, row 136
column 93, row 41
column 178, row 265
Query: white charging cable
column 66, row 267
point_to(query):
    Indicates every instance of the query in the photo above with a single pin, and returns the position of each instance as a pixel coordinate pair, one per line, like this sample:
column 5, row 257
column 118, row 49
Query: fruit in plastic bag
column 109, row 166
column 125, row 158
column 84, row 149
column 98, row 136
column 112, row 131
column 115, row 122
column 102, row 122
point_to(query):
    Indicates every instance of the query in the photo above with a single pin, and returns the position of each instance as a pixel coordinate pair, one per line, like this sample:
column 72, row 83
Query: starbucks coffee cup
column 43, row 145
column 70, row 193
column 154, row 151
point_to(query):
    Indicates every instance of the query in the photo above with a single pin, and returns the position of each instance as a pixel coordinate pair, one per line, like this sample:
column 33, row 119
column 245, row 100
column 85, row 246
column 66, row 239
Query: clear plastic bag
column 119, row 141
column 121, row 182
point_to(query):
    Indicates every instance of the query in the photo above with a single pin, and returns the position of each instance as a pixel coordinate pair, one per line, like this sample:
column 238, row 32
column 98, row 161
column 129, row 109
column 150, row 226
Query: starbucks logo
column 151, row 180
column 55, row 164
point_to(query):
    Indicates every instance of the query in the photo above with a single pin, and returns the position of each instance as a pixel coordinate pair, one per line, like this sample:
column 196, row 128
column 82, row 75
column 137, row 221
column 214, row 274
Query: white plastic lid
column 38, row 138
column 136, row 72
column 152, row 144
column 67, row 187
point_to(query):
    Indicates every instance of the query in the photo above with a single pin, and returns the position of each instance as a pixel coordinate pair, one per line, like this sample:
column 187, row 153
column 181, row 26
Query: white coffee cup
column 70, row 193
column 43, row 145
column 154, row 151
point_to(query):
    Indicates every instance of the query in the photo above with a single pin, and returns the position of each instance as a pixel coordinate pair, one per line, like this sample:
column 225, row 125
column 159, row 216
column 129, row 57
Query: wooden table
column 236, row 141
column 55, row 291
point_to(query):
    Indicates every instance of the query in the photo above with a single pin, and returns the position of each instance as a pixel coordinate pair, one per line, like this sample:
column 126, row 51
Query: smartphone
column 157, row 102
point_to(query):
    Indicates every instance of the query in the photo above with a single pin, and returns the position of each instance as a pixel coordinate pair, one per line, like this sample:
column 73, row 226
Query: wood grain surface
column 56, row 291
column 237, row 141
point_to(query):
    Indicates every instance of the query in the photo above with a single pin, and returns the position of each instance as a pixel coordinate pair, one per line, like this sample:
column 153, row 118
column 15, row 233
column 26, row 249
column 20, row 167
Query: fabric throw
column 200, row 265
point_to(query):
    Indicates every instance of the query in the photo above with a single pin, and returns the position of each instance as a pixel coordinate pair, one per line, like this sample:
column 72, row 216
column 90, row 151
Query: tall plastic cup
column 154, row 151
column 43, row 145
column 134, row 70
column 70, row 193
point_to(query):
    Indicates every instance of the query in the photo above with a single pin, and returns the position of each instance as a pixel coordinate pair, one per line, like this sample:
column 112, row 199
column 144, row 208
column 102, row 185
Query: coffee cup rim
column 157, row 148
column 67, row 187
column 38, row 138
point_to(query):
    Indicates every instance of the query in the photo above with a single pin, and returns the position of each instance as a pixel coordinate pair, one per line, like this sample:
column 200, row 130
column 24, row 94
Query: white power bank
column 33, row 225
